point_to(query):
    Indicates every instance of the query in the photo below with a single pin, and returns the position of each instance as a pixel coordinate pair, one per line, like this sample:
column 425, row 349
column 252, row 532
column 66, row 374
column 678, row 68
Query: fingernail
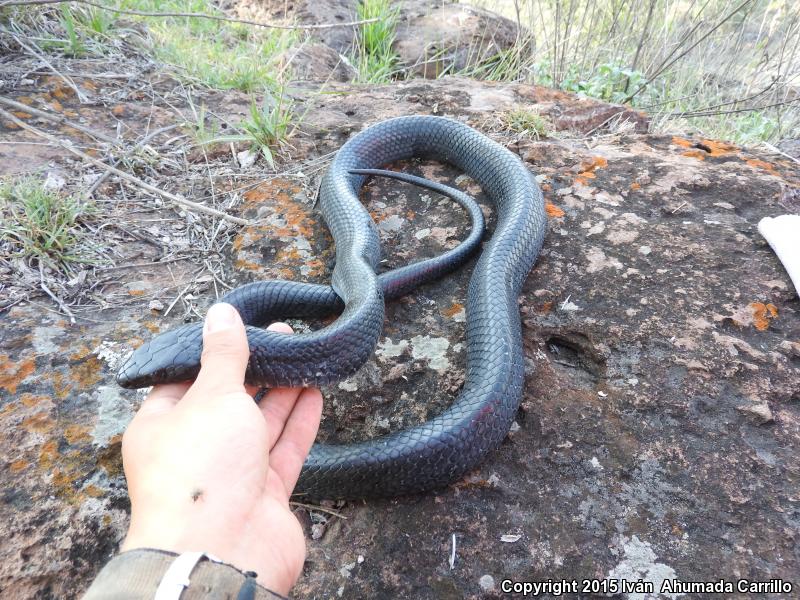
column 220, row 316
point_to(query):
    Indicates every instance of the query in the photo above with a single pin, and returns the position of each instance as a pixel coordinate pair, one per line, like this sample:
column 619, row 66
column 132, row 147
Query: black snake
column 434, row 453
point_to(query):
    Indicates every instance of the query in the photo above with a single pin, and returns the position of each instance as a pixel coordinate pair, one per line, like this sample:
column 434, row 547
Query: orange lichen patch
column 87, row 373
column 248, row 237
column 273, row 189
column 118, row 110
column 25, row 100
column 761, row 164
column 76, row 434
column 31, row 400
column 237, row 242
column 111, row 458
column 454, row 309
column 289, row 253
column 246, row 265
column 61, row 388
column 67, row 473
column 41, row 422
column 635, row 186
column 716, row 148
column 14, row 373
column 762, row 313
column 61, row 91
column 136, row 292
column 151, row 326
column 315, row 267
column 9, row 409
column 596, row 162
column 298, row 223
column 286, row 273
column 588, row 169
column 410, row 215
column 21, row 115
column 473, row 480
column 678, row 141
column 552, row 210
column 57, row 106
column 93, row 491
column 376, row 216
column 64, row 481
column 18, row 465
column 48, row 455
column 546, row 187
column 80, row 353
column 698, row 154
column 545, row 308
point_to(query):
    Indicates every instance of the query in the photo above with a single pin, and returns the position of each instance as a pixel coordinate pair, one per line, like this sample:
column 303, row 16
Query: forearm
column 137, row 574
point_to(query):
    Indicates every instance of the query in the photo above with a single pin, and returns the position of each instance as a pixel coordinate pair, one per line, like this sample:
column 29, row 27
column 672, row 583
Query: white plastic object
column 176, row 579
column 783, row 235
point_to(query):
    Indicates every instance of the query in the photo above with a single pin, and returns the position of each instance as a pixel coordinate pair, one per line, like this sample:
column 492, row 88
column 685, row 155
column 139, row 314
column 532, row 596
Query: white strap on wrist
column 176, row 579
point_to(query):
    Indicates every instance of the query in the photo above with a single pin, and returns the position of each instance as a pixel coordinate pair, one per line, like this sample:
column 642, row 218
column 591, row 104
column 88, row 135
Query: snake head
column 172, row 356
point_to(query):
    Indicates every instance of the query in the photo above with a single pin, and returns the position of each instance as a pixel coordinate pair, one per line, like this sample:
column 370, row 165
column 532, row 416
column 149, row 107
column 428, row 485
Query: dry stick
column 99, row 181
column 729, row 102
column 606, row 122
column 664, row 67
column 645, row 33
column 81, row 96
column 183, row 202
column 317, row 508
column 141, row 13
column 772, row 148
column 58, row 119
column 57, row 300
column 731, row 112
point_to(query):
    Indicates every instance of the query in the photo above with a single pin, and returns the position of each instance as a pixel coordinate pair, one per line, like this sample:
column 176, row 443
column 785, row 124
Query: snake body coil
column 442, row 449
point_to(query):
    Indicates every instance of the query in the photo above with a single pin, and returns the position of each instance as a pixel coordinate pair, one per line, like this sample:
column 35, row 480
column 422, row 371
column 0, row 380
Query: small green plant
column 268, row 125
column 73, row 45
column 502, row 66
column 95, row 20
column 266, row 128
column 525, row 122
column 218, row 54
column 199, row 128
column 42, row 224
column 374, row 58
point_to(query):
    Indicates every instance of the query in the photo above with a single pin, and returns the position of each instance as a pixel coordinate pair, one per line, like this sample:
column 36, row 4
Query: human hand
column 210, row 470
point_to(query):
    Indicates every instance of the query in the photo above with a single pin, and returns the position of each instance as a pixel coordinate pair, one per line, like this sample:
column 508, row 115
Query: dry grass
column 728, row 68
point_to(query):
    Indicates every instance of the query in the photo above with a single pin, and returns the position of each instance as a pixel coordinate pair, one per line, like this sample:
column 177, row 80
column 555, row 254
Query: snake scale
column 437, row 452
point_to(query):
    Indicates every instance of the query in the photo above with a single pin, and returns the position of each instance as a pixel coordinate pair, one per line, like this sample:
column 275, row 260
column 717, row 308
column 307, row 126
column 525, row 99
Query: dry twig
column 141, row 13
column 136, row 146
column 81, row 96
column 59, row 120
column 55, row 298
column 183, row 202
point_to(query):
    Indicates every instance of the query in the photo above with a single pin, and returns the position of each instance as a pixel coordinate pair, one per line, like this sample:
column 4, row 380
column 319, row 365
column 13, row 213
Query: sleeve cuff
column 136, row 574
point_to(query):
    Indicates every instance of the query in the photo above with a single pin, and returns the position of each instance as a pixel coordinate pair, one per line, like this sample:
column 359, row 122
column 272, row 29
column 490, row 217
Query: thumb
column 225, row 351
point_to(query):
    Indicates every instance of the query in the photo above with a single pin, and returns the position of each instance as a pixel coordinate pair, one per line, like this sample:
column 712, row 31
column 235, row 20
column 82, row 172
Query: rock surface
column 451, row 37
column 660, row 426
column 433, row 38
column 315, row 61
